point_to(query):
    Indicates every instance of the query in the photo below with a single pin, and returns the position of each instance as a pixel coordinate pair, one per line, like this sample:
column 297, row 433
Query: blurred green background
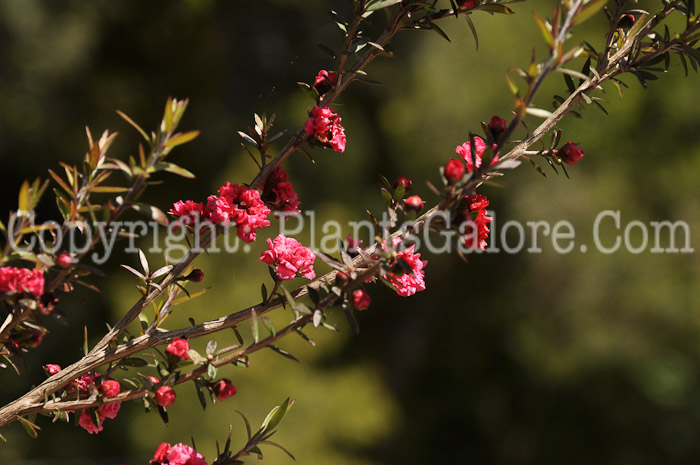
column 545, row 358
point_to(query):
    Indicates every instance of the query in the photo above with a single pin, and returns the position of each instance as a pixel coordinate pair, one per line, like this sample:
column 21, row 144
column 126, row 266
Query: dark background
column 528, row 358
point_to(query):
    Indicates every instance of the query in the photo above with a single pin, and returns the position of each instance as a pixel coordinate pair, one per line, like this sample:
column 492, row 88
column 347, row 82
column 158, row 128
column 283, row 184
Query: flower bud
column 626, row 21
column 414, row 204
column 159, row 456
column 224, row 389
column 178, row 348
column 195, row 276
column 165, row 396
column 497, row 126
column 454, row 170
column 52, row 368
column 110, row 388
column 360, row 299
column 64, row 260
column 570, row 153
column 405, row 182
column 324, row 81
column 468, row 4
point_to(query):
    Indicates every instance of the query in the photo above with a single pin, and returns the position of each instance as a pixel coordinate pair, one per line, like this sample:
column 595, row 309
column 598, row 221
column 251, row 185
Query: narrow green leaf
column 180, row 139
column 589, row 11
column 254, row 327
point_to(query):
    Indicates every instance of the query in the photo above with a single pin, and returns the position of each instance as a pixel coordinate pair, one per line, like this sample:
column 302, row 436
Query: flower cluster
column 477, row 222
column 411, row 280
column 179, row 454
column 279, row 193
column 235, row 205
column 240, row 206
column 324, row 126
column 289, row 258
column 21, row 280
column 109, row 389
column 465, row 151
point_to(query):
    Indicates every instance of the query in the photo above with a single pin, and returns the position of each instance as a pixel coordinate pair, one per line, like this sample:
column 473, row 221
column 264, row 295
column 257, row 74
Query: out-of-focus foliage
column 534, row 358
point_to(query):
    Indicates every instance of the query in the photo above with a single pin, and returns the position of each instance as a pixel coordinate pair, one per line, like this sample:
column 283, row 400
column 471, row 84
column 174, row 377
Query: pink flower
column 324, row 126
column 64, row 260
column 476, row 221
column 289, row 258
column 570, row 153
column 224, row 389
column 190, row 212
column 325, row 80
column 279, row 193
column 465, row 151
column 88, row 424
column 109, row 410
column 52, row 368
column 110, row 388
column 159, row 456
column 414, row 203
column 240, row 206
column 181, row 454
column 408, row 283
column 360, row 299
column 454, row 170
column 21, row 280
column 165, row 396
column 178, row 347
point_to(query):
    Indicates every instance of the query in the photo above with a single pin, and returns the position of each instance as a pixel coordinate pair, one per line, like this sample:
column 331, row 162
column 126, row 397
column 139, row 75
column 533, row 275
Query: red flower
column 360, row 299
column 325, row 80
column 21, row 280
column 475, row 220
column 465, row 150
column 109, row 410
column 159, row 456
column 414, row 203
column 408, row 283
column 289, row 258
column 405, row 182
column 178, row 348
column 240, row 206
column 279, row 193
column 88, row 424
column 224, row 389
column 497, row 126
column 110, row 388
column 570, row 153
column 165, row 396
column 454, row 170
column 52, row 368
column 324, row 126
column 190, row 212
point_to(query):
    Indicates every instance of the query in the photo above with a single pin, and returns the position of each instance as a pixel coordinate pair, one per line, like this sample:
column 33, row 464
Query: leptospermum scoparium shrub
column 150, row 366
